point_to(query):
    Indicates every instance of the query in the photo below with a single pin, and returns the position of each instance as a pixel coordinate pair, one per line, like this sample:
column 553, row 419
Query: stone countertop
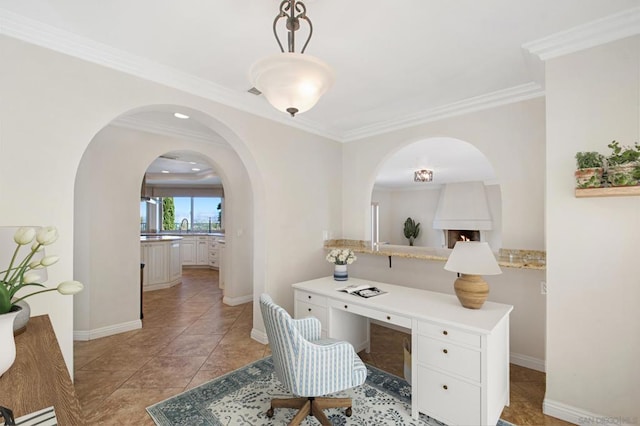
column 508, row 258
column 158, row 238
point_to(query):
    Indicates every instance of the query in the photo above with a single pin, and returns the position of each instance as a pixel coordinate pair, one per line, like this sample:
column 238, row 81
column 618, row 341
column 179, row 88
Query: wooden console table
column 39, row 378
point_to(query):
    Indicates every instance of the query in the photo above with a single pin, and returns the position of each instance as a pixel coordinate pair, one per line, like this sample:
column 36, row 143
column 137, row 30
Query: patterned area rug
column 242, row 397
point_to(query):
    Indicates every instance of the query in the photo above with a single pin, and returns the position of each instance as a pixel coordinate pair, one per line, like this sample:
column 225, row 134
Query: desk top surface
column 414, row 303
column 39, row 378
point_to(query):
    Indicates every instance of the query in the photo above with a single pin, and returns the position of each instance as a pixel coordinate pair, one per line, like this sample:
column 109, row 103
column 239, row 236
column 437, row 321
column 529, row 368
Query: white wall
column 512, row 138
column 593, row 332
column 53, row 106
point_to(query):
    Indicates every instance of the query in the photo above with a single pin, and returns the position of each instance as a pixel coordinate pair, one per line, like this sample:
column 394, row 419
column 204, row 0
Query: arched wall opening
column 453, row 162
column 107, row 221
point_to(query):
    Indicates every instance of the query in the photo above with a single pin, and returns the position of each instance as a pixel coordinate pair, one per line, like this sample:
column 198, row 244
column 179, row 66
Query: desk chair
column 308, row 367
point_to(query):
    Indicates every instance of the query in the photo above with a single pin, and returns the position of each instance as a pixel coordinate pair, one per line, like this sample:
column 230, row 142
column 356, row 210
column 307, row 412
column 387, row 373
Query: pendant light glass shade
column 292, row 82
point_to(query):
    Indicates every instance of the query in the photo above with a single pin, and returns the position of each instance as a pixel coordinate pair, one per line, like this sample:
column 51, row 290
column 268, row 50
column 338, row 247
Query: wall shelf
column 617, row 191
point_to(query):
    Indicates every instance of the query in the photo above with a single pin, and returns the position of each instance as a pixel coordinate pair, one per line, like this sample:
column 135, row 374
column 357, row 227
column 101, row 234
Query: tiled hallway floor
column 189, row 337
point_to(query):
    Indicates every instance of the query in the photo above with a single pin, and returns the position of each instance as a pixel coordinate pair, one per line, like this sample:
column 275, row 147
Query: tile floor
column 189, row 337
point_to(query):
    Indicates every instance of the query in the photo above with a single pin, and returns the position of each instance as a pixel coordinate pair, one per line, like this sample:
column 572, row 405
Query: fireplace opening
column 454, row 235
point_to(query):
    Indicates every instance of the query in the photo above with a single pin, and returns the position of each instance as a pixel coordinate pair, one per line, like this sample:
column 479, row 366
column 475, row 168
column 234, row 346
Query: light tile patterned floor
column 189, row 337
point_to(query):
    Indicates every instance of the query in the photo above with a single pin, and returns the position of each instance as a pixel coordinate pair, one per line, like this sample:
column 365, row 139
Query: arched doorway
column 107, row 221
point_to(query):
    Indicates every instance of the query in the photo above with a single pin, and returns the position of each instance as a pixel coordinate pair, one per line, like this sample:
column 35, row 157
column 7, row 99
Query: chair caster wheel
column 270, row 412
column 348, row 412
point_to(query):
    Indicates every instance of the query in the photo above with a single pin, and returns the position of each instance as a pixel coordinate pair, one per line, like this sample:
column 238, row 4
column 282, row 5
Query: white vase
column 340, row 273
column 8, row 352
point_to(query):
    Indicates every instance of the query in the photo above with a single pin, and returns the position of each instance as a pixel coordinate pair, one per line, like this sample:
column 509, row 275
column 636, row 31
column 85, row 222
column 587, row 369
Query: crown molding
column 605, row 30
column 623, row 24
column 47, row 36
column 478, row 103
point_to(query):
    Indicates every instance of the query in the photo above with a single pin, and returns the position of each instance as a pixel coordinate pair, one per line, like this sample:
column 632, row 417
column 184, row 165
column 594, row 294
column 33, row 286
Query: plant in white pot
column 20, row 275
column 623, row 164
column 411, row 230
column 590, row 169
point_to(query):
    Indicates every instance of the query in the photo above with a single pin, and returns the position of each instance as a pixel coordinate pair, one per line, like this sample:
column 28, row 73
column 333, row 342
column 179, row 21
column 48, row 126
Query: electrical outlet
column 543, row 287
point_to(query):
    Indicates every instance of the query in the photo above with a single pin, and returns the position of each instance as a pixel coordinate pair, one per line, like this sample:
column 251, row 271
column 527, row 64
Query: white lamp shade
column 292, row 80
column 473, row 258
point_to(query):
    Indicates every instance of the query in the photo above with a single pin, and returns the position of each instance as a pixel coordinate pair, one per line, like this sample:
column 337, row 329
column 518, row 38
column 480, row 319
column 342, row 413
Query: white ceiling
column 396, row 62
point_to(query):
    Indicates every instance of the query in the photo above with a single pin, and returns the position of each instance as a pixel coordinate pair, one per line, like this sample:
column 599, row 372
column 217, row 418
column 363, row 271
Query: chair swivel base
column 311, row 406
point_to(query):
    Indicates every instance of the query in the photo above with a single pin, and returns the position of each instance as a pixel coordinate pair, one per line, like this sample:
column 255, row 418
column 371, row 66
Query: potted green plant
column 590, row 169
column 411, row 230
column 623, row 165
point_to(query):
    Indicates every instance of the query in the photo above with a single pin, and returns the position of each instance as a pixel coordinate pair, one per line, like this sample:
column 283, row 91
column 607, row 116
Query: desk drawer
column 450, row 357
column 448, row 333
column 307, row 297
column 372, row 313
column 447, row 399
column 304, row 309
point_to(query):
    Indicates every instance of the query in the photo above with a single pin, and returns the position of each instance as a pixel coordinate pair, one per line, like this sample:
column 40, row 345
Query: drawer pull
column 444, row 350
column 445, row 332
column 346, row 307
column 309, row 309
column 309, row 297
column 445, row 387
column 388, row 318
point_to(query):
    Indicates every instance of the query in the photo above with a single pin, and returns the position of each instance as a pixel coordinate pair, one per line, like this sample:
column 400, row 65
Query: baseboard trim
column 233, row 301
column 107, row 331
column 527, row 361
column 579, row 416
column 259, row 336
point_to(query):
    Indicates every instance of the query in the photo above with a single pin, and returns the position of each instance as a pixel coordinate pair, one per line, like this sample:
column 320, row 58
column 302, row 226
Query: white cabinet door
column 221, row 268
column 175, row 262
column 202, row 256
column 188, row 251
column 157, row 266
column 144, row 258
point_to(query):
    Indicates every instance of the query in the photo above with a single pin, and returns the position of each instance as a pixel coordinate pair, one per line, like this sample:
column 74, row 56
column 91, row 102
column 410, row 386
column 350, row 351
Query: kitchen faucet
column 184, row 225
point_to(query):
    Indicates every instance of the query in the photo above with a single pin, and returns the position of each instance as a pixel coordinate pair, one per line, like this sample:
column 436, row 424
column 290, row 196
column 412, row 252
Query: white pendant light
column 292, row 82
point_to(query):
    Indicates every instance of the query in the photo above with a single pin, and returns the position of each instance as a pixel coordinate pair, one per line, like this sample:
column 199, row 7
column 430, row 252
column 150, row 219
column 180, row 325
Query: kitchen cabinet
column 221, row 262
column 162, row 259
column 214, row 252
column 202, row 251
column 188, row 250
column 175, row 262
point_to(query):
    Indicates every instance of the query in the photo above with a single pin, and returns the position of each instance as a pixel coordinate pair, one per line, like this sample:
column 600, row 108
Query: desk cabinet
column 460, row 362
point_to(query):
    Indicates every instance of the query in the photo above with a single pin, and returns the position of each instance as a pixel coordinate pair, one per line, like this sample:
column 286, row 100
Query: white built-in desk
column 460, row 357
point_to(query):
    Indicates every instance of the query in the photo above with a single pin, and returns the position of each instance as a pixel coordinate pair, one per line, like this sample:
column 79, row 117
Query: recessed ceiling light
column 192, row 162
column 165, row 171
column 182, row 116
column 195, row 169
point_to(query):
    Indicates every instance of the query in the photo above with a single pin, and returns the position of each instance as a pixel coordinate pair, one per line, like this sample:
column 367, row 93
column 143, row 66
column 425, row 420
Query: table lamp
column 472, row 259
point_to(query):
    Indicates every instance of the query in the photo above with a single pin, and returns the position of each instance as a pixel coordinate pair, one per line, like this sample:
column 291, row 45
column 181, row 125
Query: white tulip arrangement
column 341, row 256
column 22, row 274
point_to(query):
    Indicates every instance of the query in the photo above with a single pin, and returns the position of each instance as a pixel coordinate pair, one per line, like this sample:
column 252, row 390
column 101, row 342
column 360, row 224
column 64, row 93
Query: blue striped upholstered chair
column 308, row 366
